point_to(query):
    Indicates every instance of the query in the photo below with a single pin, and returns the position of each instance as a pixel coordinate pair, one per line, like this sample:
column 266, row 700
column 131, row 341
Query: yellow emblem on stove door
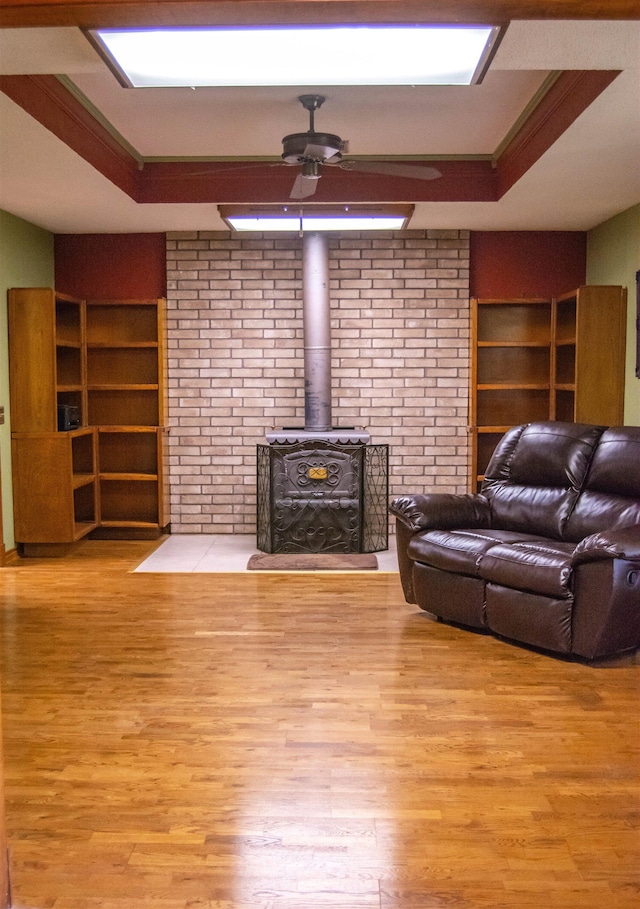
column 317, row 473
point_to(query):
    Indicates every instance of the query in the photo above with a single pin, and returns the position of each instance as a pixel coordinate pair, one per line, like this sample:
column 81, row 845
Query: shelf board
column 128, row 429
column 125, row 523
column 82, row 479
column 564, row 386
column 135, row 477
column 76, row 387
column 82, row 528
column 514, row 343
column 136, row 387
column 514, row 386
column 116, row 345
column 71, row 344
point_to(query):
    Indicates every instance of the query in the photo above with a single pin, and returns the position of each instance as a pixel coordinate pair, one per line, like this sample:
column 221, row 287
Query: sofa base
column 452, row 597
column 537, row 621
column 530, row 618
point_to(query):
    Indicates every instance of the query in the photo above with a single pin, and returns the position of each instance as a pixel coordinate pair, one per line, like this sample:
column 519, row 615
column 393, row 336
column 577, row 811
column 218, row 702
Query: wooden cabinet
column 55, row 484
column 104, row 358
column 536, row 359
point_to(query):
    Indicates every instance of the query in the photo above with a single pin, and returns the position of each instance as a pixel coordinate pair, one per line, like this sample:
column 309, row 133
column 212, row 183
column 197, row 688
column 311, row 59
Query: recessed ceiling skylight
column 301, row 56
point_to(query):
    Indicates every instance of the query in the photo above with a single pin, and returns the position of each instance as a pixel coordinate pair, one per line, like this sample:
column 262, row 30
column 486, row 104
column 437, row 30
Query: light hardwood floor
column 300, row 742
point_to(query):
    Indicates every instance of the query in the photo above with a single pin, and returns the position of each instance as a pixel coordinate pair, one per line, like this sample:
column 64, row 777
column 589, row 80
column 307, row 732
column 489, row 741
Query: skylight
column 297, row 55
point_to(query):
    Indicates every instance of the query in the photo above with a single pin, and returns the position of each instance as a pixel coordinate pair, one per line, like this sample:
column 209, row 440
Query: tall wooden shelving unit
column 105, row 358
column 125, row 400
column 535, row 359
column 510, row 371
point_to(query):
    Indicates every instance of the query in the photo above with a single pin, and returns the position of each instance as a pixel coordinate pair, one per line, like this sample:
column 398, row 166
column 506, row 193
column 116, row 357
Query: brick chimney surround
column 400, row 359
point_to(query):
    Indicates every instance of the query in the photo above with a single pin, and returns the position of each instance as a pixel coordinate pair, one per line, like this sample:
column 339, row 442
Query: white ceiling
column 590, row 174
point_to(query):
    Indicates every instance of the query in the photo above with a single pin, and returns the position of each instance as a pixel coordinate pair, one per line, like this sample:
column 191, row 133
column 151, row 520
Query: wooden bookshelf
column 537, row 359
column 106, row 359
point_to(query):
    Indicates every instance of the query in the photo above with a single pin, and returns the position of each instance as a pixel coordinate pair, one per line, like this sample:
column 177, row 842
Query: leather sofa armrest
column 441, row 510
column 621, row 543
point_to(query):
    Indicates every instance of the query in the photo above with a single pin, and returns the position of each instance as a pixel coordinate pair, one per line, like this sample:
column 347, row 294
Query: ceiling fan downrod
column 311, row 103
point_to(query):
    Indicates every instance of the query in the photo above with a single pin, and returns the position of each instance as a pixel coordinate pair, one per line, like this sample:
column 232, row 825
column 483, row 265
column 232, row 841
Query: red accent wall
column 502, row 263
column 526, row 263
column 120, row 266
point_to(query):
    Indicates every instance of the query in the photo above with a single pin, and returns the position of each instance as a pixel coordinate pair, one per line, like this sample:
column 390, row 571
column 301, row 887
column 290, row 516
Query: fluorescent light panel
column 311, row 223
column 293, row 220
column 300, row 56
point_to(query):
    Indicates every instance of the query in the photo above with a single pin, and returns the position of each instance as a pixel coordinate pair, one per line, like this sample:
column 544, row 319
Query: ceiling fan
column 313, row 150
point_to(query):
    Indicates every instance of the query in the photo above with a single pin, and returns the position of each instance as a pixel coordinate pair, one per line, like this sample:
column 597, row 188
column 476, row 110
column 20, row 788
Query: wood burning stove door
column 311, row 498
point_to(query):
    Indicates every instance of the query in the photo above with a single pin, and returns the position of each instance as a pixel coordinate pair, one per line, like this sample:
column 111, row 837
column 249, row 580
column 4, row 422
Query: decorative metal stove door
column 315, row 497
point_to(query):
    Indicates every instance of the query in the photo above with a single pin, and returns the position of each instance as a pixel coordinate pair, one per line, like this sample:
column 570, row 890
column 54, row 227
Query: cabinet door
column 600, row 355
column 32, row 359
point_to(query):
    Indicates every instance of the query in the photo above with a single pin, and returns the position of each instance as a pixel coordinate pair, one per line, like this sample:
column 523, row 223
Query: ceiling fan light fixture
column 417, row 54
column 311, row 170
column 299, row 218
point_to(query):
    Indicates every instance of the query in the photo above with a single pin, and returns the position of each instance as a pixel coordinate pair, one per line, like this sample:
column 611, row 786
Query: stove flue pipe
column 317, row 332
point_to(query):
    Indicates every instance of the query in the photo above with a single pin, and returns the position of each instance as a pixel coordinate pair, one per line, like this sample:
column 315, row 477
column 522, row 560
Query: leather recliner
column 547, row 553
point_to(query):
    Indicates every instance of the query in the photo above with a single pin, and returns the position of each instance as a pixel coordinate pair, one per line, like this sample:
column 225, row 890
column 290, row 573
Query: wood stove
column 320, row 488
column 320, row 496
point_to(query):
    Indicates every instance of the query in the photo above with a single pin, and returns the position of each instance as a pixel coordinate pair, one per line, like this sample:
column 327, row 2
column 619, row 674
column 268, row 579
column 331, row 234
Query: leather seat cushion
column 542, row 567
column 460, row 551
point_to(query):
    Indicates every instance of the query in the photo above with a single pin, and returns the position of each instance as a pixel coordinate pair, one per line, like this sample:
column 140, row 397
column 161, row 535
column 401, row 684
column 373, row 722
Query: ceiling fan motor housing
column 312, row 146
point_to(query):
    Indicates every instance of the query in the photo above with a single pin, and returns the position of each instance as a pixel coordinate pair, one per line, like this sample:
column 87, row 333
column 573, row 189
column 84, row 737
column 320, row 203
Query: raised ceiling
column 549, row 141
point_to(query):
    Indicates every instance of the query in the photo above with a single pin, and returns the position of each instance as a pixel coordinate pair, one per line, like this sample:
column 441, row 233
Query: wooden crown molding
column 570, row 95
column 95, row 13
column 48, row 100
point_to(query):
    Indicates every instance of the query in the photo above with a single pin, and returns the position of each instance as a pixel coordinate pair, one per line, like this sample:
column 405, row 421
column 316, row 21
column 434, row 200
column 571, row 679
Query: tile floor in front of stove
column 187, row 552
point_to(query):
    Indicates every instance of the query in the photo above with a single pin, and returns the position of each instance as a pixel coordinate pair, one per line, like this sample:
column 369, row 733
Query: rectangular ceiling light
column 299, row 55
column 294, row 219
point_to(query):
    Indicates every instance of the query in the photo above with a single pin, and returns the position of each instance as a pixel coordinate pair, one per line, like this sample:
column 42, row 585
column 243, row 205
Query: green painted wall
column 26, row 260
column 613, row 257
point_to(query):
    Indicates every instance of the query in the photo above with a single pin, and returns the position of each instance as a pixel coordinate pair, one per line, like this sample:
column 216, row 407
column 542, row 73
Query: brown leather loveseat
column 547, row 553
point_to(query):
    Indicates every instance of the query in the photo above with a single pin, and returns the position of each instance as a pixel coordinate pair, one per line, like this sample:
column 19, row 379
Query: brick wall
column 400, row 328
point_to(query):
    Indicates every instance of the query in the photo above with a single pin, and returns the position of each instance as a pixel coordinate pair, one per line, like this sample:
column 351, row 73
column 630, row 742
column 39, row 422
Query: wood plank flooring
column 259, row 741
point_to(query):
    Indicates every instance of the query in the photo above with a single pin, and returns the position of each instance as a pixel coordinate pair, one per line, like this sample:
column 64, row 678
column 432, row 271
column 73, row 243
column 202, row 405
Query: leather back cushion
column 535, row 474
column 611, row 497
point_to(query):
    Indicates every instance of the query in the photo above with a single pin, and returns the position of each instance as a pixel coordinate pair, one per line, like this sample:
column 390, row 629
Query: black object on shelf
column 68, row 417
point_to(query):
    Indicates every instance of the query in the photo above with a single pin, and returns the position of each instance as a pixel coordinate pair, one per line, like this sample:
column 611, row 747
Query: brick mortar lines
column 400, row 364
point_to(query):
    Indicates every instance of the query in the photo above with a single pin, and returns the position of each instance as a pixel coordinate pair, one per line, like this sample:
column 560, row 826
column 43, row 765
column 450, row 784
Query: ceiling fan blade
column 218, row 170
column 411, row 171
column 303, row 187
column 319, row 152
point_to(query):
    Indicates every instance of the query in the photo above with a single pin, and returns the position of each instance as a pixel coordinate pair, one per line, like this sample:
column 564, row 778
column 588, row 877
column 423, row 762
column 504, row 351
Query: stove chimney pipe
column 317, row 332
